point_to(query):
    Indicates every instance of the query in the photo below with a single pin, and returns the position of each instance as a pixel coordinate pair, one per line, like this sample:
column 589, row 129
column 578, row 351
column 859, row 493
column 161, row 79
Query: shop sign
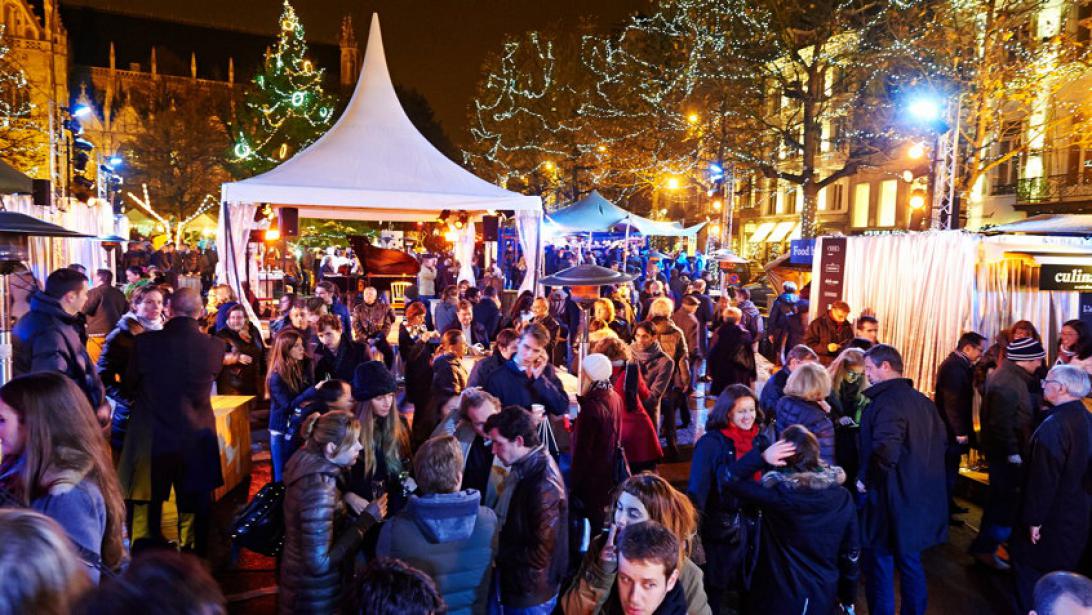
column 1086, row 309
column 832, row 268
column 1065, row 277
column 801, row 251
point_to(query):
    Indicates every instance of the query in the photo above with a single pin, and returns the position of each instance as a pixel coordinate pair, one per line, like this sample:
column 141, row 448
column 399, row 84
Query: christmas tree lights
column 20, row 141
column 285, row 109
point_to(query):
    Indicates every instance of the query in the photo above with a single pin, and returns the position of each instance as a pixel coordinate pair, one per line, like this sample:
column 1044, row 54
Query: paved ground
column 955, row 584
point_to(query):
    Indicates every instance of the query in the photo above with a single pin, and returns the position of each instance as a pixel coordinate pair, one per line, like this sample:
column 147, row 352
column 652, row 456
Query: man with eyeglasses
column 954, row 398
column 1054, row 519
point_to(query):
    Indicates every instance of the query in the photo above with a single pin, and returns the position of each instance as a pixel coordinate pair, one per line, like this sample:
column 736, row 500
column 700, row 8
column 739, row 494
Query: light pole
column 930, row 110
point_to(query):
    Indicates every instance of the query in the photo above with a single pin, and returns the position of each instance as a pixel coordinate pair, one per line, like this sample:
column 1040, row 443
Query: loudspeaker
column 490, row 226
column 288, row 220
column 40, row 190
column 257, row 236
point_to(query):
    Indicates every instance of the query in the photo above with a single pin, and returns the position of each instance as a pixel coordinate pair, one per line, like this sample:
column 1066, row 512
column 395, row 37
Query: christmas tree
column 21, row 143
column 285, row 108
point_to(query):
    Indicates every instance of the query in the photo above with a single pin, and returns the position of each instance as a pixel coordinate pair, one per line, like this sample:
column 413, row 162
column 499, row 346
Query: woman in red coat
column 639, row 438
column 596, row 437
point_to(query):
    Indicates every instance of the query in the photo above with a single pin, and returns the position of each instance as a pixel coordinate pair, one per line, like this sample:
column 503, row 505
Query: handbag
column 620, row 472
column 752, row 544
column 260, row 526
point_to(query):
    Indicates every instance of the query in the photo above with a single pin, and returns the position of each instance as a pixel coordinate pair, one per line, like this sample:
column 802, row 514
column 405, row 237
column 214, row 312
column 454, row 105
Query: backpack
column 260, row 526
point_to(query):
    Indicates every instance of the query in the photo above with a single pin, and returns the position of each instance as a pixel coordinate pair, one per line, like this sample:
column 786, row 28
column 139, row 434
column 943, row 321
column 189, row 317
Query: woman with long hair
column 809, row 548
column 384, row 435
column 320, row 536
column 244, row 364
column 289, row 377
column 520, row 312
column 731, row 431
column 448, row 380
column 639, row 439
column 642, row 497
column 56, row 460
column 847, row 401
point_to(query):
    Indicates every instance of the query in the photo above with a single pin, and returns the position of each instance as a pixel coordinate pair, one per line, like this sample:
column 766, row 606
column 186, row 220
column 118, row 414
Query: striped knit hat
column 1027, row 349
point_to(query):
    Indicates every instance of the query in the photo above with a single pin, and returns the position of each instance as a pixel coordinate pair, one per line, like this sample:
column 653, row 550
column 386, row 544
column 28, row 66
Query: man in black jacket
column 338, row 354
column 171, row 373
column 902, row 480
column 528, row 378
column 47, row 338
column 473, row 332
column 104, row 307
column 533, row 513
column 954, row 397
column 486, row 309
column 1054, row 520
column 1007, row 416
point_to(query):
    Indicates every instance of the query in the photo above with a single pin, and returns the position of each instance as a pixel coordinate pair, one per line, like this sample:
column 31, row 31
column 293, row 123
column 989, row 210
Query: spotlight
column 272, row 234
column 917, row 199
column 81, row 111
column 925, row 109
column 115, row 161
column 916, row 151
column 83, row 182
column 82, row 144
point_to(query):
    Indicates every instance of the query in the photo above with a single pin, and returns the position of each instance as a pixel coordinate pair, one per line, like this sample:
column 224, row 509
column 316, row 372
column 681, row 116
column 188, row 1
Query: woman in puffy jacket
column 731, row 431
column 805, row 404
column 320, row 532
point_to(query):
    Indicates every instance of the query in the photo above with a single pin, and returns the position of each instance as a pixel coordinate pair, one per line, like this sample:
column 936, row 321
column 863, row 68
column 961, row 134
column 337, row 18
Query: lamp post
column 585, row 282
column 931, row 110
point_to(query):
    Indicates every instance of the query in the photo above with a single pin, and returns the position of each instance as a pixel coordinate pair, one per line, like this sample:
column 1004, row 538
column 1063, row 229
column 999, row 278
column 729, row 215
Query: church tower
column 350, row 55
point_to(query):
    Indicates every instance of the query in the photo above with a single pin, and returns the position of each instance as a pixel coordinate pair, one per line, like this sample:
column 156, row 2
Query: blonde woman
column 42, row 572
column 805, row 404
column 319, row 534
column 847, row 401
column 383, row 434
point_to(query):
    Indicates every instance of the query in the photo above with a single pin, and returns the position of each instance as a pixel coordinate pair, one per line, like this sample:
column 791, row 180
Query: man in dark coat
column 829, row 334
column 473, row 332
column 171, row 373
column 704, row 314
column 529, row 378
column 954, row 397
column 786, row 320
column 47, row 338
column 1007, row 416
column 1054, row 519
column 486, row 309
column 902, row 480
column 104, row 307
column 533, row 514
column 338, row 355
column 774, row 389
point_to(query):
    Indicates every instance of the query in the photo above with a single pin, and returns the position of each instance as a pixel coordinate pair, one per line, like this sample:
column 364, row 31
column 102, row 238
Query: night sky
column 434, row 46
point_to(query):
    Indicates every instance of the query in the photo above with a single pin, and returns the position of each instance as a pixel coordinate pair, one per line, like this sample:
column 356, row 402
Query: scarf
column 743, row 440
column 643, row 356
column 149, row 325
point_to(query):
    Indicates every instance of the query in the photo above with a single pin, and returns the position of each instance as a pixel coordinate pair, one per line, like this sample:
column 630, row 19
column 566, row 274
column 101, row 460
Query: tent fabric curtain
column 889, row 275
column 236, row 222
column 464, row 253
column 47, row 254
column 528, row 226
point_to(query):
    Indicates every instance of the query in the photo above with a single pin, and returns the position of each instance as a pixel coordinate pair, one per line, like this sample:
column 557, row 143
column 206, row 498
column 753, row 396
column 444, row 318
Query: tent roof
column 373, row 164
column 595, row 213
column 12, row 181
column 1049, row 224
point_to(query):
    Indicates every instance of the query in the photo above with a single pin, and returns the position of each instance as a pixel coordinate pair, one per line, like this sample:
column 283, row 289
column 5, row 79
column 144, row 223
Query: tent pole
column 625, row 243
column 538, row 252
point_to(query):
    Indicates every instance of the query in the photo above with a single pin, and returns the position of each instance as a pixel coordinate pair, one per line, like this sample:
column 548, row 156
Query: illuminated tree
column 285, row 108
column 20, row 136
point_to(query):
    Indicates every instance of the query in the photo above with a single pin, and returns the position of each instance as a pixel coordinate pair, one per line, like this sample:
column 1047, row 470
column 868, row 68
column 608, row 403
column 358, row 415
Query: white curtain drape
column 46, row 254
column 920, row 287
column 236, row 222
column 529, row 226
column 464, row 253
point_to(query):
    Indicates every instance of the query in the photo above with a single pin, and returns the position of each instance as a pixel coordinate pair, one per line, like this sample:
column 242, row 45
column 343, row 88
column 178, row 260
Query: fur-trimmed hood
column 67, row 469
column 825, row 478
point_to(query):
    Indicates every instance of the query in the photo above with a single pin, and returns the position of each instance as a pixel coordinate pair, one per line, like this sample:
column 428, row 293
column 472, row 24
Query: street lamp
column 693, row 118
column 916, row 151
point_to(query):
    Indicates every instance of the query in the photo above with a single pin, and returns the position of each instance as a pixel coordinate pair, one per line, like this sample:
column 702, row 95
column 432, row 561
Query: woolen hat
column 597, row 366
column 372, row 379
column 1026, row 349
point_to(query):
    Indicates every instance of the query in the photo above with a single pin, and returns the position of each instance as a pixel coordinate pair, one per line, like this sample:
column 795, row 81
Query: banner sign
column 801, row 251
column 1065, row 277
column 832, row 268
column 1086, row 309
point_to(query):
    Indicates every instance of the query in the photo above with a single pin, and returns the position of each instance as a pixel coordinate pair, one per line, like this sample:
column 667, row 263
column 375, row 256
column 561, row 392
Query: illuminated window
column 861, row 208
column 889, row 192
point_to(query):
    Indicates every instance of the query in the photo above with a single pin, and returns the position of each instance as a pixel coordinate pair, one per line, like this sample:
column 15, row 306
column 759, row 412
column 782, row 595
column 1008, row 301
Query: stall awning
column 780, row 232
column 762, row 232
column 1049, row 224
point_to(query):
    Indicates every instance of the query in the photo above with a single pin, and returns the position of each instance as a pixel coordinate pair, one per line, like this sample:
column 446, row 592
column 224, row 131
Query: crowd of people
column 460, row 457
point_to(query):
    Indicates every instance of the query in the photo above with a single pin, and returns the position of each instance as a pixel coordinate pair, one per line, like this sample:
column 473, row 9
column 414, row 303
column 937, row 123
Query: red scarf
column 744, row 441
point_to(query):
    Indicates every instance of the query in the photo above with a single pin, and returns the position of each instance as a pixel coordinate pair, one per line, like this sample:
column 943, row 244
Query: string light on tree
column 285, row 109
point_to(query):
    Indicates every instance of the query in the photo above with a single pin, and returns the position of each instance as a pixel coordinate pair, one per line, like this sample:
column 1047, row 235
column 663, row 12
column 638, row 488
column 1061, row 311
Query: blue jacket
column 795, row 411
column 282, row 398
column 451, row 538
column 340, row 310
column 773, row 391
column 47, row 339
column 514, row 388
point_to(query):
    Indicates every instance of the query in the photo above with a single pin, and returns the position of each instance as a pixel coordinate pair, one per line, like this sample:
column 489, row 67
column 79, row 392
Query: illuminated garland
column 19, row 133
column 285, row 108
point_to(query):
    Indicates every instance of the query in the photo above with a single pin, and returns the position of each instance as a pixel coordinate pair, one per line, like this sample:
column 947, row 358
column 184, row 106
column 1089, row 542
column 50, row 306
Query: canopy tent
column 596, row 214
column 1048, row 224
column 372, row 165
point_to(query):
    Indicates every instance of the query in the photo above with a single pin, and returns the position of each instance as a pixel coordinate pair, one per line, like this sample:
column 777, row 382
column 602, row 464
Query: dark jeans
column 951, row 470
column 278, row 454
column 1002, row 499
column 879, row 569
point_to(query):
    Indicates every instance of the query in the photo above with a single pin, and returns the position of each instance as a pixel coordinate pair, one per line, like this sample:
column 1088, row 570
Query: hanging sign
column 832, row 267
column 801, row 251
column 1086, row 309
column 1065, row 277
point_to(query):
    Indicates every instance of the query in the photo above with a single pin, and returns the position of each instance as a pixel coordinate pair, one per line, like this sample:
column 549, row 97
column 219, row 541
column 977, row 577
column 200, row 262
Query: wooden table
column 233, row 432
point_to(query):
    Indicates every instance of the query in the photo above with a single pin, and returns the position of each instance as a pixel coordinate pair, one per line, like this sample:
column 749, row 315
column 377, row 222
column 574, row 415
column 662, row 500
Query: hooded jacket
column 808, row 561
column 452, row 539
column 47, row 339
column 319, row 540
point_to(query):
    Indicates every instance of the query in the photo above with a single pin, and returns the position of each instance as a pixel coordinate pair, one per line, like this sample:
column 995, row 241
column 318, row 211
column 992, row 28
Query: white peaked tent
column 371, row 165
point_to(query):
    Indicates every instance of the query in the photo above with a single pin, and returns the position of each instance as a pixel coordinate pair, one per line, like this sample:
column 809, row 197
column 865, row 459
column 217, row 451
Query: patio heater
column 15, row 231
column 585, row 282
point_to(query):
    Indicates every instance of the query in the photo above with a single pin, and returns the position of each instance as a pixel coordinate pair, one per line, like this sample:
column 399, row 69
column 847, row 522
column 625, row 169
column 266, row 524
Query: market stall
column 371, row 165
